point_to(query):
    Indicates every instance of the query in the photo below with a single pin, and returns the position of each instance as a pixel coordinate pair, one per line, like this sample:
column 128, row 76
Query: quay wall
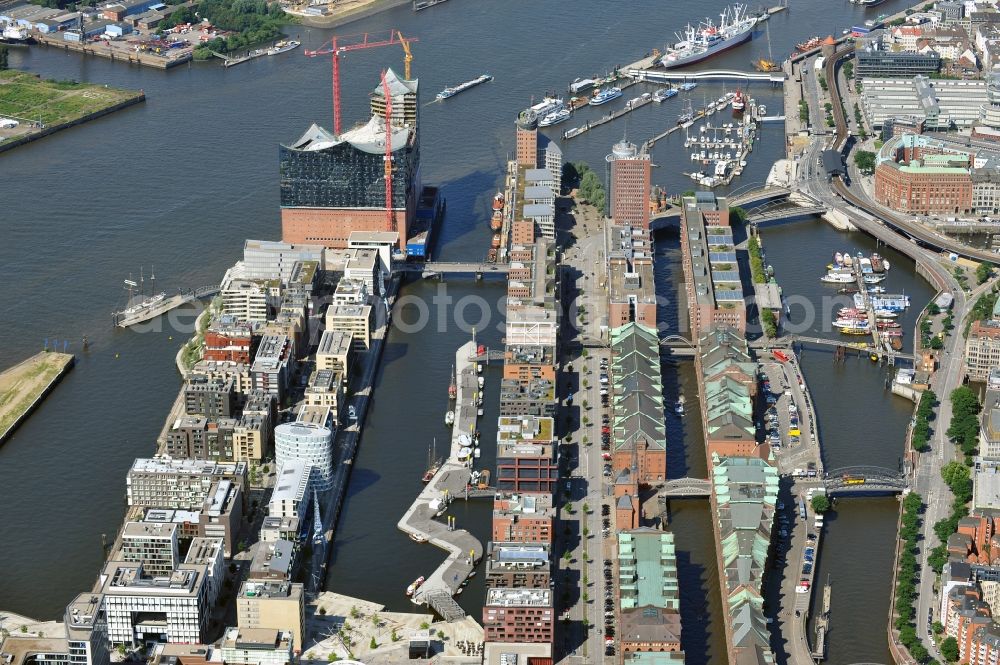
column 28, row 138
column 69, row 361
column 143, row 59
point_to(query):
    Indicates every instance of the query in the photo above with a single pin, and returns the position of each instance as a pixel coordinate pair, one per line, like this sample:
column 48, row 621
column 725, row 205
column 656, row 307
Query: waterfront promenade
column 450, row 481
column 25, row 385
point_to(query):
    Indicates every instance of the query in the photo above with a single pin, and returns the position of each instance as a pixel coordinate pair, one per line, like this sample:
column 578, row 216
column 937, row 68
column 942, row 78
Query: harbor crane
column 343, row 44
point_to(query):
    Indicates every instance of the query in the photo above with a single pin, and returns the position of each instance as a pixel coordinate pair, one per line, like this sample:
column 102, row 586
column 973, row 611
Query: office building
column 629, row 172
column 275, row 260
column 363, row 264
column 712, row 278
column 518, row 566
column 526, row 139
column 209, row 552
column 649, row 595
column 273, row 605
column 153, row 544
column 879, row 63
column 333, row 185
column 310, row 440
column 257, row 646
column 292, row 493
column 920, row 175
column 982, row 347
column 550, row 158
column 989, row 429
column 940, row 103
column 523, row 518
column 181, row 484
column 142, row 609
column 631, row 285
column 518, row 615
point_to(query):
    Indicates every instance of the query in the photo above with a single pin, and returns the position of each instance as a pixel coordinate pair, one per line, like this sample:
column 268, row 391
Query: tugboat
column 496, row 223
column 498, row 202
column 452, row 387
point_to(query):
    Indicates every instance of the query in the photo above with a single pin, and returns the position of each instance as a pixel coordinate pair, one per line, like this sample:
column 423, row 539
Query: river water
column 182, row 180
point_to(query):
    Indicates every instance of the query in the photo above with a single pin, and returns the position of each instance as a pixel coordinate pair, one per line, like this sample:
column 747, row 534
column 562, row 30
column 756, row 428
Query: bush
column 769, row 322
column 820, row 503
column 865, row 161
column 756, row 261
column 984, row 271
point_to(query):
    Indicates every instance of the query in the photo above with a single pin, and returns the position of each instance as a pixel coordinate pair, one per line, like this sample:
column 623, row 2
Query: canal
column 179, row 182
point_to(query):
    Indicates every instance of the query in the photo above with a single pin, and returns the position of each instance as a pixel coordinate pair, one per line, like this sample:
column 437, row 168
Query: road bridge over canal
column 865, row 480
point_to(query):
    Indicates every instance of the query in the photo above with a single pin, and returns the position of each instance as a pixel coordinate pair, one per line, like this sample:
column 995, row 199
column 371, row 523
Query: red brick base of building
column 331, row 227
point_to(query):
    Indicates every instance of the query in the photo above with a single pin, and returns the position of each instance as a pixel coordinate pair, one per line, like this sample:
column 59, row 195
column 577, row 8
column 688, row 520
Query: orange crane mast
column 346, row 43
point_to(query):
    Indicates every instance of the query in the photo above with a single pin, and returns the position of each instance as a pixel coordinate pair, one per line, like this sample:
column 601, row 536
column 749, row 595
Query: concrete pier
column 25, row 385
column 451, row 480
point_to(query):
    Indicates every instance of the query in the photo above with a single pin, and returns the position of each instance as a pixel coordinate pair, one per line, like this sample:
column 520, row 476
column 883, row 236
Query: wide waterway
column 180, row 181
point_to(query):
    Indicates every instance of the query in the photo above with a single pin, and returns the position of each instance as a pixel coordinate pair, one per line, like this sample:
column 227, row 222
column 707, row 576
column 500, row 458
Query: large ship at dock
column 696, row 44
column 140, row 303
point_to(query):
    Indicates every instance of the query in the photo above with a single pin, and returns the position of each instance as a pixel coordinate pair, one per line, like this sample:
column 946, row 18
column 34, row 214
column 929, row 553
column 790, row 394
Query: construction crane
column 344, row 44
column 390, row 217
column 407, row 55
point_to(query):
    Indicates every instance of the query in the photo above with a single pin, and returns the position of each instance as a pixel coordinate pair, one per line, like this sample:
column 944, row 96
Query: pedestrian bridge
column 686, row 488
column 865, row 480
column 775, row 78
column 431, row 268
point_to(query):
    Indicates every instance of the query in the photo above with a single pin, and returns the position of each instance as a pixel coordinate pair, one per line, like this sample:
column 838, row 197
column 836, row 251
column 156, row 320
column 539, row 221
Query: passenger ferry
column 605, row 96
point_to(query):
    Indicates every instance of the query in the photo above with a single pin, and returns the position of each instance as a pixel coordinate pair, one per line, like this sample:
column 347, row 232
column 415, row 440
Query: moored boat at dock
column 554, row 118
column 283, row 46
column 664, row 94
column 412, row 589
column 696, row 44
column 605, row 96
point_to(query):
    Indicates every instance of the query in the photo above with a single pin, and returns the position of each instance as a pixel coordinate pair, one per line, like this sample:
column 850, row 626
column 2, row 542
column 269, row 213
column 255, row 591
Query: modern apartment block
column 334, row 351
column 523, row 518
column 271, row 367
column 529, row 467
column 230, row 340
column 153, row 544
column 291, row 496
column 712, row 277
column 273, row 605
column 518, row 615
column 212, row 397
column 275, row 260
column 257, row 646
column 326, row 389
column 355, row 320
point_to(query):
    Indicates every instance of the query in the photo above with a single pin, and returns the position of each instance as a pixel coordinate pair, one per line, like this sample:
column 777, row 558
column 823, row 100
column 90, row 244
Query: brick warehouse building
column 331, row 186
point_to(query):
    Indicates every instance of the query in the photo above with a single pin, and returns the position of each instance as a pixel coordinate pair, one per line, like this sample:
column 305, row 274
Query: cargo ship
column 697, row 44
column 462, row 87
column 808, row 44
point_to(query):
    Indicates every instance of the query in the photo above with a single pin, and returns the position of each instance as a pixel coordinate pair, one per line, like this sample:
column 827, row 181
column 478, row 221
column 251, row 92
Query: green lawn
column 26, row 97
